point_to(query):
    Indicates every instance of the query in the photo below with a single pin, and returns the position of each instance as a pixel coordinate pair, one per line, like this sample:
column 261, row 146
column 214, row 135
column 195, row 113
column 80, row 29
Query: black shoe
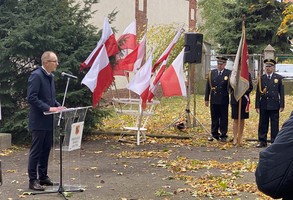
column 46, row 182
column 35, row 185
column 261, row 145
column 223, row 139
column 212, row 138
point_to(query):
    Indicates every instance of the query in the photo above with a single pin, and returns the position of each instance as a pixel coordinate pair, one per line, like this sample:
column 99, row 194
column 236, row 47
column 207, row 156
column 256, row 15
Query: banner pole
column 239, row 121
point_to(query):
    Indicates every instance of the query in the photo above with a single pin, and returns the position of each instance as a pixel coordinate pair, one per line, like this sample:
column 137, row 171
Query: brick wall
column 140, row 16
column 192, row 15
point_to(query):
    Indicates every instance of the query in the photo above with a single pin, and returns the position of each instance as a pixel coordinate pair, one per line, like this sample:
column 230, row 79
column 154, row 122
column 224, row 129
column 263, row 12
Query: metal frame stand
column 187, row 112
column 133, row 107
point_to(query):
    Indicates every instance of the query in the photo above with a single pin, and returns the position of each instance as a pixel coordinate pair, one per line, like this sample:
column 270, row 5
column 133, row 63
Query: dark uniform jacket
column 41, row 96
column 274, row 173
column 270, row 93
column 217, row 87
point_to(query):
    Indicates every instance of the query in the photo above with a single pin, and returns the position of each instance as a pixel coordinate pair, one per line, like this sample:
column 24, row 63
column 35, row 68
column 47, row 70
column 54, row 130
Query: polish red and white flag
column 107, row 38
column 127, row 43
column 141, row 81
column 99, row 77
column 133, row 60
column 167, row 51
column 173, row 80
column 156, row 81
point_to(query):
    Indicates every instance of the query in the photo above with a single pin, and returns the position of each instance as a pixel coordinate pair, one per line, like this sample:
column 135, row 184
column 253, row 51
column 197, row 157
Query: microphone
column 68, row 75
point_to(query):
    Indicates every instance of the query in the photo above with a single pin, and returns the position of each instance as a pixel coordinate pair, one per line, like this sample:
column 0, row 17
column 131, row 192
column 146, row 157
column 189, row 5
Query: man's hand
column 206, row 103
column 257, row 110
column 56, row 109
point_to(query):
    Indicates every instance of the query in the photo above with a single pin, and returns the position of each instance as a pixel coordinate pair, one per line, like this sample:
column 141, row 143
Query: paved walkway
column 109, row 170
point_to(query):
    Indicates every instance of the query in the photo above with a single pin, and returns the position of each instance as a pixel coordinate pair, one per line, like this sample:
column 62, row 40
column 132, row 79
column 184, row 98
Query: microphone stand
column 61, row 189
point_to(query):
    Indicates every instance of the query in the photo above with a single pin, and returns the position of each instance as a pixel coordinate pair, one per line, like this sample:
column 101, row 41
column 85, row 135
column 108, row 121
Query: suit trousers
column 219, row 115
column 266, row 117
column 39, row 154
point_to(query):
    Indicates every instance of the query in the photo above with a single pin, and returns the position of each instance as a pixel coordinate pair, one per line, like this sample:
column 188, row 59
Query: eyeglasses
column 269, row 65
column 55, row 61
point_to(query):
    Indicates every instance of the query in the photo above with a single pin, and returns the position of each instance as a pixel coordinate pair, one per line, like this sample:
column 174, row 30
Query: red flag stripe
column 133, row 60
column 144, row 97
column 170, row 84
column 104, row 80
column 173, row 81
column 128, row 62
column 111, row 46
column 244, row 60
column 156, row 81
column 128, row 41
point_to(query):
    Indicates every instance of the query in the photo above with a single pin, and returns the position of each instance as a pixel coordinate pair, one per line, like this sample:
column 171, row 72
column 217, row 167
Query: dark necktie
column 269, row 76
column 220, row 73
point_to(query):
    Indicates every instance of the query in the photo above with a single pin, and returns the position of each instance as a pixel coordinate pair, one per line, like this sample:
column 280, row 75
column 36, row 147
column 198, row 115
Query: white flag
column 100, row 76
column 141, row 81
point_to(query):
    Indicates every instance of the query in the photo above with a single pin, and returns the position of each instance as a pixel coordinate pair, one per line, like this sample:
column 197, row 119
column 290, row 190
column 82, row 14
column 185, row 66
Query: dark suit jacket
column 41, row 96
column 274, row 172
column 270, row 93
column 217, row 87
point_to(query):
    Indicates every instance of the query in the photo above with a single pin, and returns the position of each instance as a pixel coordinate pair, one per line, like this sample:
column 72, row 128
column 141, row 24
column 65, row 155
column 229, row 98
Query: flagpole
column 239, row 121
column 240, row 100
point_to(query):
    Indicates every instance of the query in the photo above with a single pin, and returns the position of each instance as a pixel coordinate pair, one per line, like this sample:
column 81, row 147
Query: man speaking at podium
column 41, row 97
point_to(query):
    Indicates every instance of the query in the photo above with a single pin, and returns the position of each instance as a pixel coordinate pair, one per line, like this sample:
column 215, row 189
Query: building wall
column 158, row 12
column 125, row 15
column 167, row 11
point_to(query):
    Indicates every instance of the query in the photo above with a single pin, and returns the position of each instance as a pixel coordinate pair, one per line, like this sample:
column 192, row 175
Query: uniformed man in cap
column 269, row 102
column 217, row 96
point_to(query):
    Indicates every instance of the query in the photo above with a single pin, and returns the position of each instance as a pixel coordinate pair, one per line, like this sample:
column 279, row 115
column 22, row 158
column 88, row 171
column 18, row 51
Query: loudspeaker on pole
column 193, row 47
